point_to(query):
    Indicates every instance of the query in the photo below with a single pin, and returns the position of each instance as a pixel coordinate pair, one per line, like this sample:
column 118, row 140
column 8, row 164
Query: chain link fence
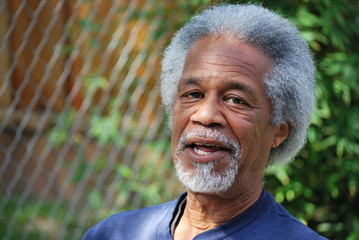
column 82, row 131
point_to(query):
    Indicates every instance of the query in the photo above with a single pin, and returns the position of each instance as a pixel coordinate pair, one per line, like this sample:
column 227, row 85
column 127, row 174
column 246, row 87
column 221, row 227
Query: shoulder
column 129, row 224
column 287, row 226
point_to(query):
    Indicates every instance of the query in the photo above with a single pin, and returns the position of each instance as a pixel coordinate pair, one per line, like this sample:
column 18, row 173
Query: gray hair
column 290, row 85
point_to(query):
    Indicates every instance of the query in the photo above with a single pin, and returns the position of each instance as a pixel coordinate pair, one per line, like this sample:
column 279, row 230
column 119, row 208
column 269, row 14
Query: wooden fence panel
column 5, row 87
column 39, row 64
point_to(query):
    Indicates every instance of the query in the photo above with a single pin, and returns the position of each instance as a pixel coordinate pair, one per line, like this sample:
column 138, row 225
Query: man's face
column 222, row 131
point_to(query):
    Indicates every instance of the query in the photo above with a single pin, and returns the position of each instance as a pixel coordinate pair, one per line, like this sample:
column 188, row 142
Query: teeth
column 200, row 152
column 207, row 145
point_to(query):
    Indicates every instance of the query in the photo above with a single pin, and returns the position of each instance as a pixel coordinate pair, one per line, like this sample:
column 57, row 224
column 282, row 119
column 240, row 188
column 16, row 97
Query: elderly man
column 238, row 83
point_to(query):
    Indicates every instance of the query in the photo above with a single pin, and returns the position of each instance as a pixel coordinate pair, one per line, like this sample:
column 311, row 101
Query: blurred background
column 83, row 134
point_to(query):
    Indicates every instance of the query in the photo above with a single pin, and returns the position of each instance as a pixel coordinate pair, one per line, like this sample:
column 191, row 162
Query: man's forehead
column 224, row 57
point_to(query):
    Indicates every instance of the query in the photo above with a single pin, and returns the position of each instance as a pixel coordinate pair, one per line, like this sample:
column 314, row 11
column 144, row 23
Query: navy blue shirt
column 265, row 219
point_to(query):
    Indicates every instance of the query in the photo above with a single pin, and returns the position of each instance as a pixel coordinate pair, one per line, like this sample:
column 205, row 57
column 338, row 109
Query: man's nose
column 209, row 113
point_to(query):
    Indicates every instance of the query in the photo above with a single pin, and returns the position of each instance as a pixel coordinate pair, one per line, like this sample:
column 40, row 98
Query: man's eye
column 236, row 100
column 194, row 95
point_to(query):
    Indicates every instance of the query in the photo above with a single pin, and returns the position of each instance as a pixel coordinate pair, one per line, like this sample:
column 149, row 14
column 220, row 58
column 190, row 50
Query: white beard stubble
column 203, row 178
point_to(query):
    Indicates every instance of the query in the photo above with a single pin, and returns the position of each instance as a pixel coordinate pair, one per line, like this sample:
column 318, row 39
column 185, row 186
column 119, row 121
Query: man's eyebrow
column 227, row 84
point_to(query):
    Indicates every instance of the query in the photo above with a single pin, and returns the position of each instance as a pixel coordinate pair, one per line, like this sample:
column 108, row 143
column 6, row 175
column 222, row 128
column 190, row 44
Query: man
column 238, row 83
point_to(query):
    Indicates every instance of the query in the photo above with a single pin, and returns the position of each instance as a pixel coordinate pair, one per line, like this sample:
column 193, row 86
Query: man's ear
column 281, row 134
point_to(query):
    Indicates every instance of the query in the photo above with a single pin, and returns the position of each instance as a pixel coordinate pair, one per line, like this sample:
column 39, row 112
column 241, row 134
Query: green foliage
column 59, row 134
column 32, row 222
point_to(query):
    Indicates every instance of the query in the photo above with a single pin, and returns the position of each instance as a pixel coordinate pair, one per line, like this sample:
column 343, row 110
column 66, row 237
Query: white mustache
column 209, row 134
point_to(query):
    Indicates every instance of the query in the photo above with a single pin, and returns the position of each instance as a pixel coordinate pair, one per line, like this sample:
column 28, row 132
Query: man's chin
column 208, row 190
column 206, row 184
column 204, row 178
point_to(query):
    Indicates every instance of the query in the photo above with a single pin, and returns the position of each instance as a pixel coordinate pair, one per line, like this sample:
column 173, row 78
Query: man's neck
column 204, row 212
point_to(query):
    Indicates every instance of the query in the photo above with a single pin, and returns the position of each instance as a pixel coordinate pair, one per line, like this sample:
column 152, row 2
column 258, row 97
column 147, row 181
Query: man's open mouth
column 206, row 149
